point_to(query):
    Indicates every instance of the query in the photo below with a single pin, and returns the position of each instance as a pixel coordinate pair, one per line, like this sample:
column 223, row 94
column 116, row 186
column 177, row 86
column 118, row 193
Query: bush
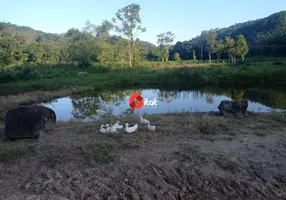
column 279, row 63
column 27, row 70
column 177, row 57
column 12, row 75
column 242, row 62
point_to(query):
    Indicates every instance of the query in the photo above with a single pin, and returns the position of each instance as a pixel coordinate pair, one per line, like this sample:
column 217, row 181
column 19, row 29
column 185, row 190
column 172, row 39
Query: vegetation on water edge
column 99, row 77
column 86, row 102
column 33, row 60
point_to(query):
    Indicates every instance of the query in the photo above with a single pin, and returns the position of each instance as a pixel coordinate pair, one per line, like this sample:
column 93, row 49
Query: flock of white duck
column 114, row 128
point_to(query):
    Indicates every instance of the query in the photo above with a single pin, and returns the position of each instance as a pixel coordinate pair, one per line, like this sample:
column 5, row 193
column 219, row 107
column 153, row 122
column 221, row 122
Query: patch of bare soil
column 189, row 156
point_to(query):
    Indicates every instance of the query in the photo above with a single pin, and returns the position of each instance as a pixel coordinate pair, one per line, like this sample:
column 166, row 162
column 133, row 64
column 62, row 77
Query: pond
column 93, row 105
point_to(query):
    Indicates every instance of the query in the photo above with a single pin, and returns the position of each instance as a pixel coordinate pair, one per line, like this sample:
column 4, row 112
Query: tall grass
column 52, row 77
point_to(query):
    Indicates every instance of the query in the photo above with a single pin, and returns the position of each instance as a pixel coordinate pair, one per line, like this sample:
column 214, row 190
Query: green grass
column 80, row 143
column 212, row 125
column 155, row 74
column 101, row 153
column 8, row 153
column 279, row 116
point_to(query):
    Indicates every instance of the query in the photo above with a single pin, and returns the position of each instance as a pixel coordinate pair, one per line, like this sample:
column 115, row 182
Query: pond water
column 94, row 105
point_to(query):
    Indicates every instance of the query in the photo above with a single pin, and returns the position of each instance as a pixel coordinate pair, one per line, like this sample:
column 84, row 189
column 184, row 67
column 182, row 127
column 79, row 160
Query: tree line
column 232, row 46
column 266, row 37
column 94, row 43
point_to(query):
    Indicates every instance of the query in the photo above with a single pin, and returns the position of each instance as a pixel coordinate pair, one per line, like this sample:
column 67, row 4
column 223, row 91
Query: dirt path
column 190, row 156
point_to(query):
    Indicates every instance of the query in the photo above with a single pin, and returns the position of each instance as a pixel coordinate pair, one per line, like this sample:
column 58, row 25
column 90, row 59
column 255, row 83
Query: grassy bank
column 97, row 77
column 84, row 137
column 210, row 152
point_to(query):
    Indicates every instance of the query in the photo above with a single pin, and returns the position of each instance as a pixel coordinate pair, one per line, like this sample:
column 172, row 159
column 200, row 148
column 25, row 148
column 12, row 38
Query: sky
column 185, row 18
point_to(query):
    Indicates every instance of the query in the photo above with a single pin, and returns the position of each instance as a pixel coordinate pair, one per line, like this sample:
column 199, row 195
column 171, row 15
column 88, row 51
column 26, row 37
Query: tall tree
column 104, row 29
column 11, row 51
column 129, row 25
column 211, row 43
column 230, row 48
column 75, row 35
column 194, row 55
column 89, row 28
column 153, row 54
column 164, row 41
column 83, row 52
column 35, row 52
column 177, row 56
column 219, row 48
column 202, row 40
column 104, row 42
column 241, row 46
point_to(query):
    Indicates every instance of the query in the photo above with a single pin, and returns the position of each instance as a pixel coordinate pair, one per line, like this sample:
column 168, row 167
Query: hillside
column 21, row 44
column 270, row 30
column 27, row 34
column 266, row 35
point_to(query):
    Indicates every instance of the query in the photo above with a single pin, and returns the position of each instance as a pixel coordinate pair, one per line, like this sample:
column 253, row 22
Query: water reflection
column 86, row 107
column 209, row 99
column 95, row 105
column 169, row 96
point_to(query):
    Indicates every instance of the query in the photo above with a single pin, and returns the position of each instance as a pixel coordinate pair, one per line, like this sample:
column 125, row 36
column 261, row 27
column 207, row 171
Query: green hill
column 265, row 37
column 20, row 44
column 26, row 34
column 270, row 30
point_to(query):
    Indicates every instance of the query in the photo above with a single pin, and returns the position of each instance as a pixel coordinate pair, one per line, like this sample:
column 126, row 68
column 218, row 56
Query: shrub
column 279, row 63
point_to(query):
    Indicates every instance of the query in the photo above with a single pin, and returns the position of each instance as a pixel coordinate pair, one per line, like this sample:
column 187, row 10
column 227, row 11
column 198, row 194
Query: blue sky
column 185, row 18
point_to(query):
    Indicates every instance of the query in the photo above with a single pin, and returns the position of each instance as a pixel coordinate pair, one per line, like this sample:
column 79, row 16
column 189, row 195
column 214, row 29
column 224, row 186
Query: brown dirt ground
column 189, row 156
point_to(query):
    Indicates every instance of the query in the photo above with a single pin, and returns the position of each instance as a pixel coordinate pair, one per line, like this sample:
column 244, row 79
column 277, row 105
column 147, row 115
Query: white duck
column 102, row 130
column 130, row 129
column 144, row 121
column 151, row 128
column 117, row 126
column 111, row 129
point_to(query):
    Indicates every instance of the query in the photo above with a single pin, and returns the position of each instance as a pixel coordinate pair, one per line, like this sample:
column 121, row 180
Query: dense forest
column 20, row 45
column 23, row 45
column 265, row 37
